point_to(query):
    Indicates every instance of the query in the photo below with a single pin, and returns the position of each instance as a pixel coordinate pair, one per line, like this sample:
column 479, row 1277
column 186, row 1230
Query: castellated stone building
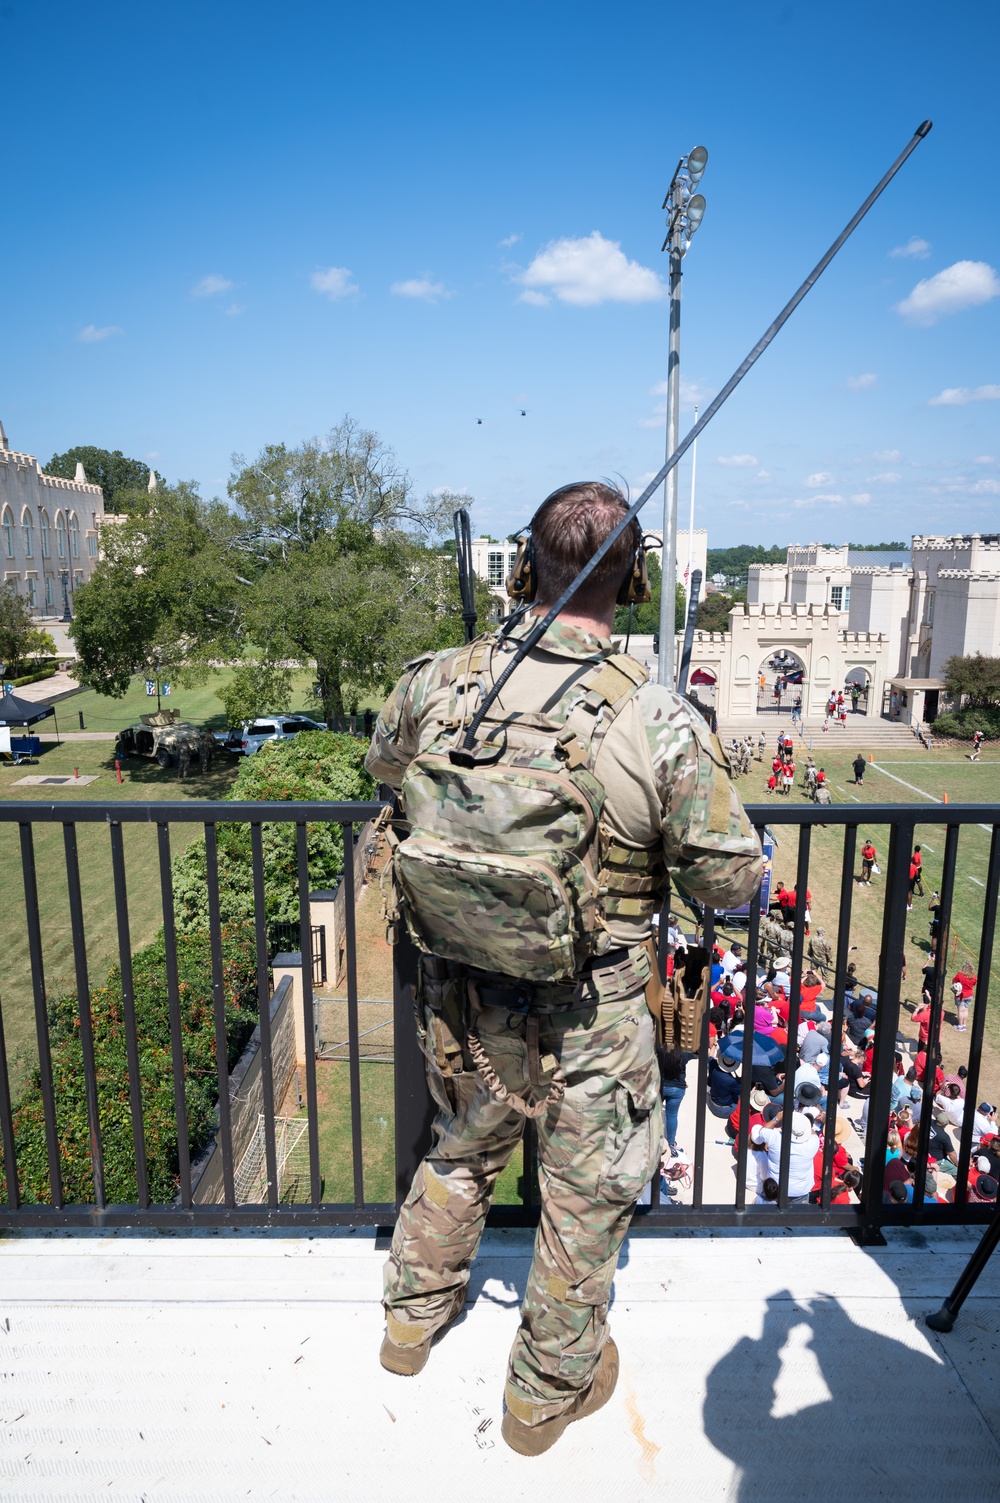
column 49, row 531
column 831, row 617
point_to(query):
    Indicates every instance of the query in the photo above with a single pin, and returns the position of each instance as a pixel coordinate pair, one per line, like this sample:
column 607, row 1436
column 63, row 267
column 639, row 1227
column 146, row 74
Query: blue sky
column 230, row 224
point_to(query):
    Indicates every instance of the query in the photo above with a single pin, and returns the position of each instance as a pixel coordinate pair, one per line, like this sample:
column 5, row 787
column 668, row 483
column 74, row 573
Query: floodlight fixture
column 697, row 160
column 695, row 212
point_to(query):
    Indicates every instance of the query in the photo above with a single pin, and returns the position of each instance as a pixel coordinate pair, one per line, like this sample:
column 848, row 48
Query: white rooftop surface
column 755, row 1366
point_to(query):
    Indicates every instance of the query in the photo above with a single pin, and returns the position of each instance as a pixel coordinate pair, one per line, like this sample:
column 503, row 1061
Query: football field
column 926, row 780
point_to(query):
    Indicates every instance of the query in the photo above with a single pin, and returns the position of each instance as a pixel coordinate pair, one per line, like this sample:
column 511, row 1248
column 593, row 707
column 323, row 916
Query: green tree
column 735, row 562
column 646, row 618
column 164, row 598
column 976, row 680
column 713, row 612
column 345, row 563
column 20, row 636
column 118, row 476
column 257, row 687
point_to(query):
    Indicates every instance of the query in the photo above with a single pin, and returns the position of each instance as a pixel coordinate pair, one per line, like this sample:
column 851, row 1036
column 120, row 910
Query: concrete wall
column 47, row 525
column 246, row 1094
column 880, row 602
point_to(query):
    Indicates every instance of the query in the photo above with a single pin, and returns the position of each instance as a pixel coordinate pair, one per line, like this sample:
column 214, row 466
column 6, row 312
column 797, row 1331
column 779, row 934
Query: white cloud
column 763, row 475
column 694, row 394
column 961, row 396
column 421, row 288
column 234, row 310
column 333, row 282
column 887, row 477
column 588, row 271
column 861, row 383
column 510, row 240
column 738, row 461
column 985, row 488
column 822, row 477
column 887, row 456
column 915, row 249
column 984, row 459
column 967, row 284
column 211, row 286
column 92, row 335
column 534, row 299
column 826, row 498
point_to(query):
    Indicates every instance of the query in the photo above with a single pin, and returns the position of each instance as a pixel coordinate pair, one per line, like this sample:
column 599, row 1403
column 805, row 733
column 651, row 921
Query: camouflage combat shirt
column 665, row 775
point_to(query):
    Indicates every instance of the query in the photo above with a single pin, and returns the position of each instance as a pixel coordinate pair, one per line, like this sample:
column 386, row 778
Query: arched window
column 60, row 534
column 8, row 532
column 48, row 592
column 74, row 535
column 28, row 529
column 43, row 528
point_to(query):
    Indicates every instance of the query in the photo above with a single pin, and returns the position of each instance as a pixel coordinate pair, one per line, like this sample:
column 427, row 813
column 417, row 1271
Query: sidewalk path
column 756, row 1368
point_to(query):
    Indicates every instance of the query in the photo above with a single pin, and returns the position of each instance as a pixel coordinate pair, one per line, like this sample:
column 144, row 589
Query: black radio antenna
column 466, row 581
column 541, row 627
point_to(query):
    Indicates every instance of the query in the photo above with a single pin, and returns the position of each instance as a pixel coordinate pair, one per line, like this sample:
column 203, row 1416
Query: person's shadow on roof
column 897, row 1423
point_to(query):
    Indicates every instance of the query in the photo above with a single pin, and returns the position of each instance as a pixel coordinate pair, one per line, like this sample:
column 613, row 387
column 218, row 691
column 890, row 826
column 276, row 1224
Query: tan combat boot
column 532, row 1440
column 403, row 1351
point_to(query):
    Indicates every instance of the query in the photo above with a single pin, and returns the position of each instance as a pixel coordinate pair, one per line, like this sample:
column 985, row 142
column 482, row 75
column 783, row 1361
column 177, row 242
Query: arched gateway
column 806, row 646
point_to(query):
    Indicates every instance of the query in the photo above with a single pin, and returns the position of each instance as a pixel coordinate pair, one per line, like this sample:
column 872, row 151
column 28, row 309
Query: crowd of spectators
column 764, row 1004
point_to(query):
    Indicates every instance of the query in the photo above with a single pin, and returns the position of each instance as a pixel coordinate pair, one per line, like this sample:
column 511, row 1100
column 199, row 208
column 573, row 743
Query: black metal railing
column 43, row 916
column 284, row 935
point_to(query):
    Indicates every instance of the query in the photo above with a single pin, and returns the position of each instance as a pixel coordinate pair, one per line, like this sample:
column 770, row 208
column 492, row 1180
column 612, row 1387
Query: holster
column 442, row 1003
column 679, row 1006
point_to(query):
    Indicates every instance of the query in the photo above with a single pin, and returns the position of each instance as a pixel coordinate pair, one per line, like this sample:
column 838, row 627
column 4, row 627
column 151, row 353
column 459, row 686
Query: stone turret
column 3, row 438
column 80, row 474
column 151, row 485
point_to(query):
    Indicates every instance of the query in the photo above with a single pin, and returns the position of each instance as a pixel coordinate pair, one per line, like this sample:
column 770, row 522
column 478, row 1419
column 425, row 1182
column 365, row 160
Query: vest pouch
column 511, row 914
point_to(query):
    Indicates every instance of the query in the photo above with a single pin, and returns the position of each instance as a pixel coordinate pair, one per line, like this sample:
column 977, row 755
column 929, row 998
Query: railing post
column 886, row 1028
column 414, row 1106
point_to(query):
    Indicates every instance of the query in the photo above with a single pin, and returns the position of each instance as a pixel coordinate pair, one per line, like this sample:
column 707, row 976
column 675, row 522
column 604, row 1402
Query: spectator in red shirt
column 867, row 862
column 921, row 1063
column 963, row 985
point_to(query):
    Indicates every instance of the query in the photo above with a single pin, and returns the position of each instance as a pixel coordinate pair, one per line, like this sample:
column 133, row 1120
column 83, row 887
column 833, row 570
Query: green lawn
column 202, row 705
column 935, row 773
column 143, row 781
column 333, row 1095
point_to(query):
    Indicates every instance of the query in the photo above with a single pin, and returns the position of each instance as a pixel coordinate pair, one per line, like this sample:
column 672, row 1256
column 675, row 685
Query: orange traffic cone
column 945, row 798
column 870, row 757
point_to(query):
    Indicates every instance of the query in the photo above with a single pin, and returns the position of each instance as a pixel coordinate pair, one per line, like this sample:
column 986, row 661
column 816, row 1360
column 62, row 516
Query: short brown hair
column 567, row 530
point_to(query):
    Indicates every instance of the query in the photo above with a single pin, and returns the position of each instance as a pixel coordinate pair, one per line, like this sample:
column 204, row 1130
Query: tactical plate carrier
column 508, row 867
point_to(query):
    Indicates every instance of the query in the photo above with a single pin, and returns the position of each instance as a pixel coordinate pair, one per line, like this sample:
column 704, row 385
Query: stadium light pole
column 685, row 211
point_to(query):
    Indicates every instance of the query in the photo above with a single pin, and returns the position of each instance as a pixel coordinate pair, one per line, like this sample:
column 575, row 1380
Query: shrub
column 155, row 1068
column 317, row 765
column 962, row 724
column 34, row 678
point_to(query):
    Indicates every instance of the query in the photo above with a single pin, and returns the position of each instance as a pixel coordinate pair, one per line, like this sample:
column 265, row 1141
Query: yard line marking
column 912, row 786
column 977, row 881
column 922, row 791
column 854, row 796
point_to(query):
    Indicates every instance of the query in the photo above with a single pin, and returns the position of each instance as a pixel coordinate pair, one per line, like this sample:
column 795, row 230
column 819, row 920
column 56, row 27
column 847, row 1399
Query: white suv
column 273, row 728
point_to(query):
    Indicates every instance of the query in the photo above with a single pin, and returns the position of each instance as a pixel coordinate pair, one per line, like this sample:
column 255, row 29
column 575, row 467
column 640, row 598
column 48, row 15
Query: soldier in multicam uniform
column 820, row 951
column 668, row 806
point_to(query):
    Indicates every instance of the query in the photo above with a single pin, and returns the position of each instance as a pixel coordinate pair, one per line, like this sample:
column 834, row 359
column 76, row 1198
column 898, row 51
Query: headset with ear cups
column 522, row 581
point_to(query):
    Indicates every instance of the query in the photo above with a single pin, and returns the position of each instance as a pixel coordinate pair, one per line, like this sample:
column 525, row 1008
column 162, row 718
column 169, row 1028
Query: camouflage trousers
column 598, row 1148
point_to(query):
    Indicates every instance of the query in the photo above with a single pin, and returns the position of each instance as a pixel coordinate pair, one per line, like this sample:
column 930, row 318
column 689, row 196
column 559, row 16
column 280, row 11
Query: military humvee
column 168, row 739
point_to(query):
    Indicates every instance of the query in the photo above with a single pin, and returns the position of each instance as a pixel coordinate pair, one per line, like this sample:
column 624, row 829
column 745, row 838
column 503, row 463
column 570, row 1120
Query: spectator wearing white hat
column 802, row 1152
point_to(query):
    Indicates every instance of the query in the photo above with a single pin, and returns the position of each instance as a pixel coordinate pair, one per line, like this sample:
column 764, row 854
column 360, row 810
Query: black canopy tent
column 15, row 711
